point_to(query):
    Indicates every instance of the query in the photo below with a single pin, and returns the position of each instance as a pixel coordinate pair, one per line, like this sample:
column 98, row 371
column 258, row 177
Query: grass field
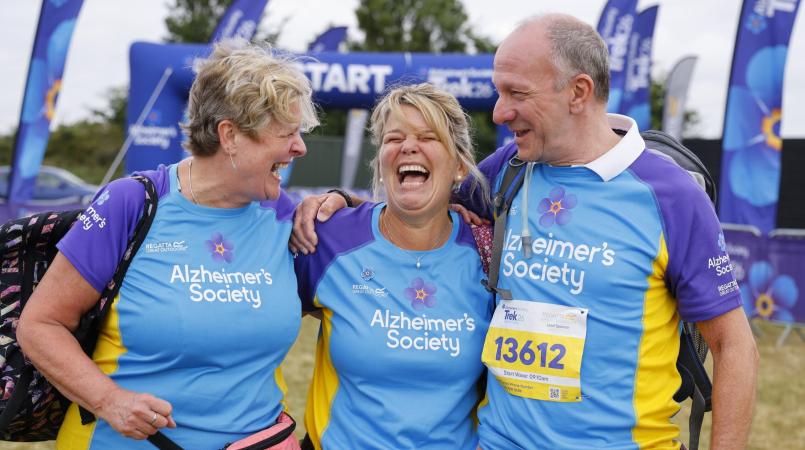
column 779, row 421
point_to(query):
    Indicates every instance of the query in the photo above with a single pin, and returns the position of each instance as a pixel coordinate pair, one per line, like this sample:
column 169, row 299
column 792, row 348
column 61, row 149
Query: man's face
column 528, row 102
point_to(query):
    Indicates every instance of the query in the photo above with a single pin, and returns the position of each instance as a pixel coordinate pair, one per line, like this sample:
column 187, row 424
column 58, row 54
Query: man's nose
column 502, row 112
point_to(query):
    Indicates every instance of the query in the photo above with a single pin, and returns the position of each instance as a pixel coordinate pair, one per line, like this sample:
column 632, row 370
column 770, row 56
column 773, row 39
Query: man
column 622, row 244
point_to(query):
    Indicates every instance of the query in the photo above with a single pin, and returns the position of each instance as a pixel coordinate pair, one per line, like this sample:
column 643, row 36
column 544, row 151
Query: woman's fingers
column 137, row 415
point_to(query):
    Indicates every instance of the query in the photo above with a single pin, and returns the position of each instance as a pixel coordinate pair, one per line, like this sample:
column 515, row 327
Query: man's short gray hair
column 577, row 48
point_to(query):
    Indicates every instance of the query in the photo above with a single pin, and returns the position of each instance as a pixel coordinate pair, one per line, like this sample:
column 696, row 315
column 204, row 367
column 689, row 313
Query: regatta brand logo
column 166, row 247
column 352, row 79
column 422, row 333
column 365, row 289
column 421, row 294
column 555, row 208
column 89, row 218
column 103, row 198
column 220, row 248
column 548, row 269
column 209, row 286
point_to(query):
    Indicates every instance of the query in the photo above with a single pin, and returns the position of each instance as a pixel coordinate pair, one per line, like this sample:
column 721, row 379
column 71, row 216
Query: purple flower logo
column 220, row 248
column 555, row 207
column 421, row 294
column 768, row 294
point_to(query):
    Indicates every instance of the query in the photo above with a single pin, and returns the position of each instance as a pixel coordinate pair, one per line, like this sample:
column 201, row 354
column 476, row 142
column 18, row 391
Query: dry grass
column 779, row 416
column 779, row 413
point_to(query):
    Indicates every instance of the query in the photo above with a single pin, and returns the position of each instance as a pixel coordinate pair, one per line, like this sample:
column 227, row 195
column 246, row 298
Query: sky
column 98, row 56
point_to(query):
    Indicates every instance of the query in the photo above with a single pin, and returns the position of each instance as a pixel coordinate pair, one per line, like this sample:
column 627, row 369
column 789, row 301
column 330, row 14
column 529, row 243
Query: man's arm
column 321, row 207
column 735, row 363
column 312, row 208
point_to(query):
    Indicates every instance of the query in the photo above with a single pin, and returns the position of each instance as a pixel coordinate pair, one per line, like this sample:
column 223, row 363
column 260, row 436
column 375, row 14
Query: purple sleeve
column 699, row 272
column 347, row 230
column 95, row 244
column 284, row 205
column 490, row 167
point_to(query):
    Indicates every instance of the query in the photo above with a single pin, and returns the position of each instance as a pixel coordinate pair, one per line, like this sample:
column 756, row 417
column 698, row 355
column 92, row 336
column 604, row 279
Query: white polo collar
column 623, row 154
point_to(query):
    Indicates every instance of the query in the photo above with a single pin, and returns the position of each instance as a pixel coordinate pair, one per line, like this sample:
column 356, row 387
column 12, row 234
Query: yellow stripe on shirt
column 324, row 384
column 72, row 434
column 657, row 379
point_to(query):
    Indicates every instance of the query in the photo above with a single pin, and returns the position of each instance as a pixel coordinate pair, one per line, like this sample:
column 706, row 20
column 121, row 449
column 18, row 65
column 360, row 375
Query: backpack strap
column 695, row 382
column 90, row 324
column 509, row 186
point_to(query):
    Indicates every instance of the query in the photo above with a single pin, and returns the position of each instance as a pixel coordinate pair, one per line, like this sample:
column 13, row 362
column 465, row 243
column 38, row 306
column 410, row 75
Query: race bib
column 535, row 349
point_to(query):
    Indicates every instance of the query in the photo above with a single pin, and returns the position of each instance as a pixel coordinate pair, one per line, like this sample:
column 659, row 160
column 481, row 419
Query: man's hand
column 468, row 216
column 315, row 207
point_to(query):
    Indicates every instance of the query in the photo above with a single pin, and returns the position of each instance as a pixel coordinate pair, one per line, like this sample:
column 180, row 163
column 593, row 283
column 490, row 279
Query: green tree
column 194, row 21
column 86, row 147
column 417, row 26
column 435, row 26
column 691, row 117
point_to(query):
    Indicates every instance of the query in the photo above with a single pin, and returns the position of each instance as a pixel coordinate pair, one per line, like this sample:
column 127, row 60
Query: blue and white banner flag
column 329, row 41
column 750, row 164
column 615, row 26
column 57, row 20
column 240, row 20
column 676, row 96
column 636, row 101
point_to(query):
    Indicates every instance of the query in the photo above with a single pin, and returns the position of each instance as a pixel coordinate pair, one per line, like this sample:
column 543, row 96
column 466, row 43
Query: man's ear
column 226, row 136
column 582, row 89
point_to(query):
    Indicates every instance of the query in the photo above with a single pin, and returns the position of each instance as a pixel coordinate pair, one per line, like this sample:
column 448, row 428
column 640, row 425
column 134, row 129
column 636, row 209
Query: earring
column 232, row 161
column 381, row 180
column 457, row 184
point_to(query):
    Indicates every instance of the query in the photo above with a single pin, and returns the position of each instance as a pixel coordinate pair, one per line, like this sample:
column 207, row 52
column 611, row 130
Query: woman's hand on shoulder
column 134, row 414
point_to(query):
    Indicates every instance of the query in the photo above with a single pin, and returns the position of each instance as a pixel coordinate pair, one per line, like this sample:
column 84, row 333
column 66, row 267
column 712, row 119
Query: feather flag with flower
column 750, row 167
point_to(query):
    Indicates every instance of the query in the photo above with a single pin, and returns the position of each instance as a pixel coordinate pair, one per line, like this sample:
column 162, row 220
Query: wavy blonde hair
column 443, row 115
column 249, row 85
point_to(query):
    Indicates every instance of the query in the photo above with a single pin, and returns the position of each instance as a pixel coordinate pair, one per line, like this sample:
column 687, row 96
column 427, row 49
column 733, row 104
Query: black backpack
column 692, row 349
column 31, row 409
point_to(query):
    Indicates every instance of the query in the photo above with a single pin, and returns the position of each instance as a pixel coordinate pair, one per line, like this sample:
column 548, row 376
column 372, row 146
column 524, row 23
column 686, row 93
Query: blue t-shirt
column 205, row 315
column 634, row 241
column 398, row 356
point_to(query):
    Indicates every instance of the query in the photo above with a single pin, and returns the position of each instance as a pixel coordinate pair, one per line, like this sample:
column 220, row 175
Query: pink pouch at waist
column 276, row 437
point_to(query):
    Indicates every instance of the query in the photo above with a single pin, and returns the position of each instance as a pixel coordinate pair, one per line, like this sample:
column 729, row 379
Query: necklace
column 190, row 181
column 384, row 224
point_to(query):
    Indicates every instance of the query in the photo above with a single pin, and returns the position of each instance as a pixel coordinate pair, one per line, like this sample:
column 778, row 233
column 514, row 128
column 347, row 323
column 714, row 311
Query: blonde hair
column 248, row 85
column 443, row 115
